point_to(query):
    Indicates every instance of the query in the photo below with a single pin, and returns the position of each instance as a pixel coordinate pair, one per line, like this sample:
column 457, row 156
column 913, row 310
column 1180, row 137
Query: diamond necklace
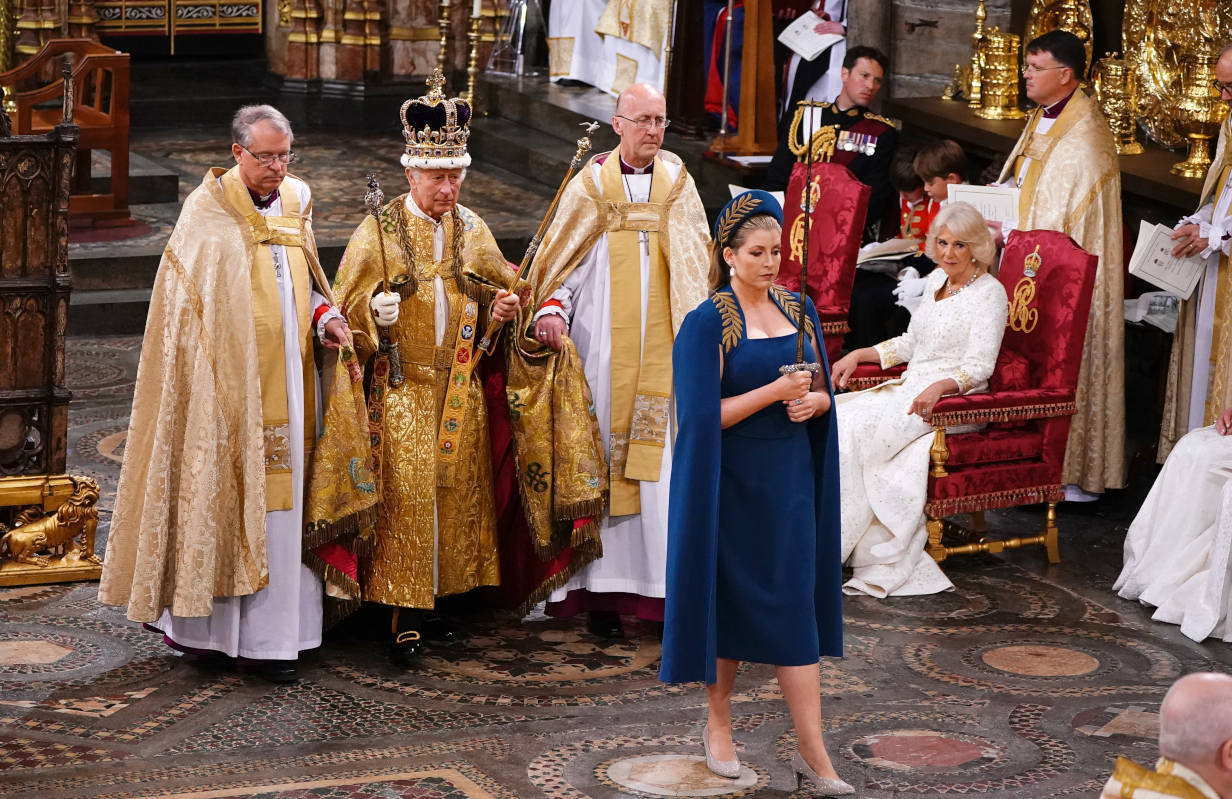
column 954, row 291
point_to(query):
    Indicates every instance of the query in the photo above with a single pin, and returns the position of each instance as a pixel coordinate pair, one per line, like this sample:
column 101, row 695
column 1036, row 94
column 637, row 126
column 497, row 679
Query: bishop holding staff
column 436, row 530
column 622, row 264
column 206, row 540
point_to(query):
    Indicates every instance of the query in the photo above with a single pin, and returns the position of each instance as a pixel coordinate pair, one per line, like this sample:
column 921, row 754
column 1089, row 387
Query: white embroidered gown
column 1177, row 549
column 883, row 451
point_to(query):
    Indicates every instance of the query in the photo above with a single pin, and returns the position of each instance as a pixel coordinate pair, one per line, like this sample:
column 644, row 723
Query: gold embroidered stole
column 641, row 368
column 286, row 230
column 1220, row 381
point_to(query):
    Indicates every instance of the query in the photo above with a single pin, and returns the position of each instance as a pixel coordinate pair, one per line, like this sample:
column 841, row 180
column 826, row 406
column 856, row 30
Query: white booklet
column 801, row 39
column 1154, row 263
column 995, row 203
column 892, row 250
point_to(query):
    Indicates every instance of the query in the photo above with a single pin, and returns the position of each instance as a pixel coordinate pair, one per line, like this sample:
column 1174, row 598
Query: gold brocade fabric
column 189, row 520
column 561, row 457
column 1075, row 187
column 643, row 22
column 1181, row 364
column 1169, row 780
column 421, row 510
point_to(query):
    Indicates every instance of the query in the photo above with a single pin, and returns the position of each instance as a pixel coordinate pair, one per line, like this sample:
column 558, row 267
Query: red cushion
column 992, row 486
column 1012, row 372
column 993, row 446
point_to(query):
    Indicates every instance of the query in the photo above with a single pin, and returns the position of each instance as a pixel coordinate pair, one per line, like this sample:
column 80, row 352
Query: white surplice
column 883, row 451
column 284, row 618
column 826, row 88
column 1214, row 223
column 578, row 53
column 634, row 547
column 1176, row 551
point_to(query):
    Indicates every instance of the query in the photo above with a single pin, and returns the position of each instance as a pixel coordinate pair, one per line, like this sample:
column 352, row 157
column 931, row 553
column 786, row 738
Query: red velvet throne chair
column 840, row 203
column 1017, row 458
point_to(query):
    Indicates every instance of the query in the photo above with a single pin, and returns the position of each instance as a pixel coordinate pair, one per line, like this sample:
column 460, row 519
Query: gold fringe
column 351, row 524
column 364, row 541
column 1014, row 414
column 583, row 556
column 835, row 328
column 937, row 509
column 335, row 609
column 585, row 534
column 587, row 507
column 862, row 383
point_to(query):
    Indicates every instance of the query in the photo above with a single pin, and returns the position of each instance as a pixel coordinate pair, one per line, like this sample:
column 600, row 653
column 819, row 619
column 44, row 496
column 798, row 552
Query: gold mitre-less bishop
column 1200, row 370
column 562, row 456
column 209, row 448
column 1070, row 180
column 436, row 529
column 1169, row 780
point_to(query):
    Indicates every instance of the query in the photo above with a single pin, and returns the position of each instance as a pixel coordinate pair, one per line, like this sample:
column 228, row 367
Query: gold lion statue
column 33, row 531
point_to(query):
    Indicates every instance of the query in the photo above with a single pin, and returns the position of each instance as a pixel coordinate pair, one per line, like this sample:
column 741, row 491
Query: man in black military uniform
column 872, row 138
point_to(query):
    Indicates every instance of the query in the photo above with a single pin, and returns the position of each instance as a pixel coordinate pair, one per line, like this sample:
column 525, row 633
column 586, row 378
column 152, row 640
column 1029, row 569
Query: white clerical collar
column 414, row 208
column 633, row 170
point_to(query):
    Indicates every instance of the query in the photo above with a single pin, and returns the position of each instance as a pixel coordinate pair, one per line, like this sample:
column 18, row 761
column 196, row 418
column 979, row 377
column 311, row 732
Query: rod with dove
column 374, row 202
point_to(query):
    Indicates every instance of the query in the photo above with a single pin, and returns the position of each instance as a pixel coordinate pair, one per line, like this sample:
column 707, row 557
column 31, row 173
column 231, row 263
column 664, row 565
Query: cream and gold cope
column 561, row 461
column 1073, row 184
column 432, row 500
column 207, row 452
column 1180, row 367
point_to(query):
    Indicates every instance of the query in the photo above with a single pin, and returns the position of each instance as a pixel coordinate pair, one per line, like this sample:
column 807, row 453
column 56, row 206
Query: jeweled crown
column 436, row 128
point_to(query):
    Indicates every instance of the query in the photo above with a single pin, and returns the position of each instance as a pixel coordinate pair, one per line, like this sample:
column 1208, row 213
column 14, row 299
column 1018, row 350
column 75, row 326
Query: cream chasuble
column 1071, row 182
column 1200, row 369
column 181, row 516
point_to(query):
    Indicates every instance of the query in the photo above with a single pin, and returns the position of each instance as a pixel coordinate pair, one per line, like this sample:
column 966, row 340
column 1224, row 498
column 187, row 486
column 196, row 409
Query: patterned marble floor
column 1026, row 681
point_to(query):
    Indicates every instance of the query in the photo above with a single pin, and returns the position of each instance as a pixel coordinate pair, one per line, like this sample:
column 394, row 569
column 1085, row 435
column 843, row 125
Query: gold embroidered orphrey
column 51, row 540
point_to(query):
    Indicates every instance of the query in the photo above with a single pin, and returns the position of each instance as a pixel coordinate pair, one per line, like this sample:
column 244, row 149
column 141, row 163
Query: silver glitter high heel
column 826, row 786
column 724, row 768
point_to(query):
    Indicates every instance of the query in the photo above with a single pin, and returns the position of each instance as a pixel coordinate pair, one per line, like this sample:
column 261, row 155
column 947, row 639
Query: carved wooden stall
column 47, row 518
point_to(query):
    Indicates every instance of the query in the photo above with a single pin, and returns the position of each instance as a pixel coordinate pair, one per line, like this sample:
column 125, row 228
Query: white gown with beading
column 1177, row 549
column 883, row 451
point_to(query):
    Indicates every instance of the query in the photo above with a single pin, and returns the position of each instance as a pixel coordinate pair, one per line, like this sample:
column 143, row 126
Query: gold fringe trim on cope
column 335, row 609
column 940, row 508
column 1018, row 413
column 584, row 553
column 350, row 525
column 835, row 328
column 588, row 507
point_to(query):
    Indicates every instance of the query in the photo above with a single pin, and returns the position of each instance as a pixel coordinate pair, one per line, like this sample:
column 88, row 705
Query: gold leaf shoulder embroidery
column 879, row 118
column 792, row 308
column 734, row 213
column 733, row 325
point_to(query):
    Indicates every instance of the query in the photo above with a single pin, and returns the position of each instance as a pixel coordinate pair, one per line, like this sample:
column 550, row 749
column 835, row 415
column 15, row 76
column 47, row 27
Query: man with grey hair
column 206, row 540
column 1195, row 745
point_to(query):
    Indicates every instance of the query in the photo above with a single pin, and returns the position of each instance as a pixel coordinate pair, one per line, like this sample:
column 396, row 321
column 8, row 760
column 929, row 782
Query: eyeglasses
column 1034, row 70
column 266, row 159
column 647, row 124
column 1222, row 87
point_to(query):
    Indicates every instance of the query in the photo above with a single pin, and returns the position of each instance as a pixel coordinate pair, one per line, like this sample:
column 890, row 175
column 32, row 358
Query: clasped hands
column 794, row 390
column 385, row 307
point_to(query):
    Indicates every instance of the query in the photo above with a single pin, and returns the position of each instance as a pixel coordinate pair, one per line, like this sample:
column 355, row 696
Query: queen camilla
column 884, row 433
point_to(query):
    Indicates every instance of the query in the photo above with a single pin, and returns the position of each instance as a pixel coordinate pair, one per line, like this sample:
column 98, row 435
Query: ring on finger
column 799, row 401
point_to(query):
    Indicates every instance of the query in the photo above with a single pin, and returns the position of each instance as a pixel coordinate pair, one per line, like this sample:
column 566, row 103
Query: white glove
column 385, row 309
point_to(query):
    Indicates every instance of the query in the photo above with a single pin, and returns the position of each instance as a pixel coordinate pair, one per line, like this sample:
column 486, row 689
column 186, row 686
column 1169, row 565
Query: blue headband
column 742, row 208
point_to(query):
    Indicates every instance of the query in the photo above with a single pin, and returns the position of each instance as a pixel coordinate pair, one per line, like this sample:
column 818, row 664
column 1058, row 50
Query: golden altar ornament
column 1116, row 89
column 1200, row 110
column 977, row 57
column 1158, row 36
column 1067, row 15
column 65, row 531
column 999, row 90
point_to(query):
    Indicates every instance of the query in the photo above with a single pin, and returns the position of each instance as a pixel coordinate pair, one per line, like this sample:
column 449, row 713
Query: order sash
column 641, row 368
column 286, row 230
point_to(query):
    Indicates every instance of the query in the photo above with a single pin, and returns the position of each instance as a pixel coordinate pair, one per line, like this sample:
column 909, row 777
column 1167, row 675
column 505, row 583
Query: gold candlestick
column 999, row 96
column 977, row 57
column 1116, row 87
column 442, row 21
column 472, row 62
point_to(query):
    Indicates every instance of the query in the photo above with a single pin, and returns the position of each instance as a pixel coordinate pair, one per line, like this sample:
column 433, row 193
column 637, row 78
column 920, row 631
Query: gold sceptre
column 374, row 201
column 583, row 146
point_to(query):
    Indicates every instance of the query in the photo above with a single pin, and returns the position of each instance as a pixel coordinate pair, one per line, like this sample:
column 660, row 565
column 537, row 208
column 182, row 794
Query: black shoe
column 405, row 648
column 279, row 671
column 605, row 624
column 212, row 659
column 436, row 628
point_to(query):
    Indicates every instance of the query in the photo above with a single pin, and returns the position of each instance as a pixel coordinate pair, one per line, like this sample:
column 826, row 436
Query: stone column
column 37, row 22
column 304, row 41
column 351, row 59
column 82, row 20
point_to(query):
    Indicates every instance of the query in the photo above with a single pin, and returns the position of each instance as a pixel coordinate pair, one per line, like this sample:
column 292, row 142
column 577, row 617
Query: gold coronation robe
column 562, row 465
column 1184, row 340
column 436, row 529
column 207, row 452
column 1169, row 779
column 1072, row 183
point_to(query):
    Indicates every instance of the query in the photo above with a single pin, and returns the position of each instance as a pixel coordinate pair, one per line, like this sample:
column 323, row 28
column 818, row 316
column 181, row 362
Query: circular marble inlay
column 926, row 751
column 23, row 653
column 1034, row 660
column 542, row 652
column 112, row 447
column 673, row 775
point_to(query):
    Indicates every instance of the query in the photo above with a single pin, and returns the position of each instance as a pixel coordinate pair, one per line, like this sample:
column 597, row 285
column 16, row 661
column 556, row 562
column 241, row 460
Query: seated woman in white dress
column 884, row 433
column 1176, row 552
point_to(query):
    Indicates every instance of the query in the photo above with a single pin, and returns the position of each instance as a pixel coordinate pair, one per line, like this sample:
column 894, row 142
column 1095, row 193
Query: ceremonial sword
column 583, row 145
